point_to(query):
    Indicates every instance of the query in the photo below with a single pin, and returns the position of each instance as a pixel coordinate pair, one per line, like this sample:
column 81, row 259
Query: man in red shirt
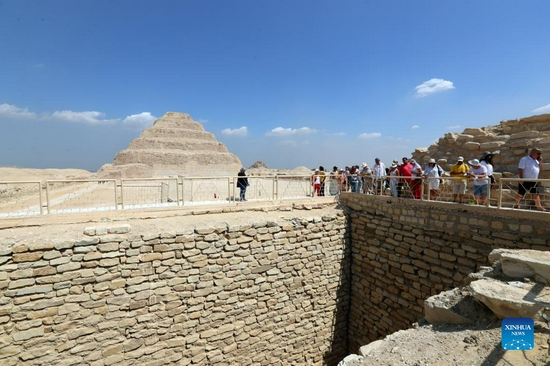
column 404, row 183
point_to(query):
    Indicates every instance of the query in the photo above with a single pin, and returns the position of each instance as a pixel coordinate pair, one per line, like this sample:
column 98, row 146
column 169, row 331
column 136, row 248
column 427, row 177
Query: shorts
column 531, row 187
column 459, row 187
column 480, row 190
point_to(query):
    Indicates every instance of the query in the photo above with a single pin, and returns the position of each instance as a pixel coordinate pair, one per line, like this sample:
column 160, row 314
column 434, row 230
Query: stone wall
column 509, row 141
column 268, row 292
column 404, row 251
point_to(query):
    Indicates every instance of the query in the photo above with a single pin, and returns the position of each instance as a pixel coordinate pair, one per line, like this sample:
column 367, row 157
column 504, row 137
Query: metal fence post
column 47, row 196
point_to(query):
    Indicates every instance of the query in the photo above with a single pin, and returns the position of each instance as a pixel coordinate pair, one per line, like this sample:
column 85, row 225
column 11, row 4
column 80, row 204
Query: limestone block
column 350, row 360
column 372, row 346
column 472, row 146
column 523, row 263
column 525, row 135
column 464, row 138
column 474, row 131
column 491, row 145
column 511, row 301
column 451, row 307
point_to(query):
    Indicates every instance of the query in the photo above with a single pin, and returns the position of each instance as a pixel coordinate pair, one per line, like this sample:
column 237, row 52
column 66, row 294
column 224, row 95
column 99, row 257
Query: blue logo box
column 518, row 334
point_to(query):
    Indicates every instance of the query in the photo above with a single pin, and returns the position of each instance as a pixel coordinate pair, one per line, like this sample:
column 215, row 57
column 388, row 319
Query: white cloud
column 91, row 117
column 11, row 111
column 143, row 119
column 433, row 86
column 336, row 134
column 242, row 131
column 455, row 127
column 280, row 131
column 541, row 110
column 371, row 135
column 415, row 127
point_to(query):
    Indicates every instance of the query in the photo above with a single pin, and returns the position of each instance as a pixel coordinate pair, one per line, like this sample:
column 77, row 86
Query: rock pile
column 515, row 286
column 174, row 145
column 509, row 141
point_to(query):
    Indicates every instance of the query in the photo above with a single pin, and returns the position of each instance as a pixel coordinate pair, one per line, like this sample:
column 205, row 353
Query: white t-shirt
column 489, row 168
column 479, row 171
column 416, row 170
column 530, row 166
column 379, row 170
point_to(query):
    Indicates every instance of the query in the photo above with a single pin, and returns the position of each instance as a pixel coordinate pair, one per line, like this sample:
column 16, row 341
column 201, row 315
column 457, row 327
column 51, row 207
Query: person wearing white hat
column 394, row 172
column 479, row 173
column 432, row 171
column 458, row 171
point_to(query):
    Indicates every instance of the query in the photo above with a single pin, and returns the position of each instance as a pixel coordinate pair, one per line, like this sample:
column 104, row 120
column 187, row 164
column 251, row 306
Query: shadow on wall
column 340, row 337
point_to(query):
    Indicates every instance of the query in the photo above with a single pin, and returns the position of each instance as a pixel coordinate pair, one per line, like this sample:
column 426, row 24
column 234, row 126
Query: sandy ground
column 22, row 174
column 447, row 345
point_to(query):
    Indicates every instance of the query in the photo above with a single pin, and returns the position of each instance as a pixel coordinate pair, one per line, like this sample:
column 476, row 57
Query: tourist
column 354, row 178
column 404, row 183
column 459, row 184
column 333, row 182
column 416, row 184
column 342, row 181
column 393, row 173
column 322, row 178
column 486, row 160
column 530, row 167
column 242, row 183
column 378, row 171
column 432, row 171
column 316, row 183
column 479, row 173
column 365, row 181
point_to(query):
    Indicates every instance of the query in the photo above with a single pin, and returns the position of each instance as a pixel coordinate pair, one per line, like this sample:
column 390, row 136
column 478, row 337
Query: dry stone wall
column 509, row 141
column 263, row 293
column 404, row 251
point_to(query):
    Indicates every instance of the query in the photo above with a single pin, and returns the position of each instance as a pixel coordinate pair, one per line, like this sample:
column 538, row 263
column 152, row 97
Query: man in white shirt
column 378, row 171
column 529, row 167
column 479, row 173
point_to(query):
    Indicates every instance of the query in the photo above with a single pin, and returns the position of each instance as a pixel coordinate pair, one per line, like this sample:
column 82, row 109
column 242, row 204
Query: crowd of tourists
column 405, row 178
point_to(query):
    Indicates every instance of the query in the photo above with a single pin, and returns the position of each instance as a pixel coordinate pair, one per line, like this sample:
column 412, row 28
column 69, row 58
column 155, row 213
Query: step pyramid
column 174, row 145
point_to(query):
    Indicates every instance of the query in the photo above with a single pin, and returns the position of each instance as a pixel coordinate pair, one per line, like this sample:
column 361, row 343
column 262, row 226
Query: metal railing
column 27, row 198
column 501, row 194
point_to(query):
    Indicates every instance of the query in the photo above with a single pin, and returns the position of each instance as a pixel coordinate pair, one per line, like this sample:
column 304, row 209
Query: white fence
column 501, row 194
column 27, row 198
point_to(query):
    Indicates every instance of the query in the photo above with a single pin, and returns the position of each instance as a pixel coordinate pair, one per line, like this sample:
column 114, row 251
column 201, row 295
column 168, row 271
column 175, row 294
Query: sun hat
column 412, row 161
column 394, row 165
column 460, row 158
column 364, row 164
column 432, row 161
column 474, row 162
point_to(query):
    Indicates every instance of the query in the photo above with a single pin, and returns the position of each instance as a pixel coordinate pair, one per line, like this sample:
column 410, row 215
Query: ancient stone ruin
column 509, row 141
column 174, row 145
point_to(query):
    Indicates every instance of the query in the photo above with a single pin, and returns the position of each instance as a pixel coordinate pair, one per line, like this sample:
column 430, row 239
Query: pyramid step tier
column 178, row 122
column 159, row 158
column 171, row 143
column 178, row 133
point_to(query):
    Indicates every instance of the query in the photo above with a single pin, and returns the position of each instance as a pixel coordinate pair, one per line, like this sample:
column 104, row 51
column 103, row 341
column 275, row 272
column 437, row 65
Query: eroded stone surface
column 174, row 145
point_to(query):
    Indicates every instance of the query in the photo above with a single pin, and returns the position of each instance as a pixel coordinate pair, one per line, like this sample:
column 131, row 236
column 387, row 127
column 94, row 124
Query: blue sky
column 290, row 83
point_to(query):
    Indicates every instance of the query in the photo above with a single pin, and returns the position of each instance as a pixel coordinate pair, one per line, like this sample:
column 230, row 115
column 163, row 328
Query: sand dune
column 24, row 174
